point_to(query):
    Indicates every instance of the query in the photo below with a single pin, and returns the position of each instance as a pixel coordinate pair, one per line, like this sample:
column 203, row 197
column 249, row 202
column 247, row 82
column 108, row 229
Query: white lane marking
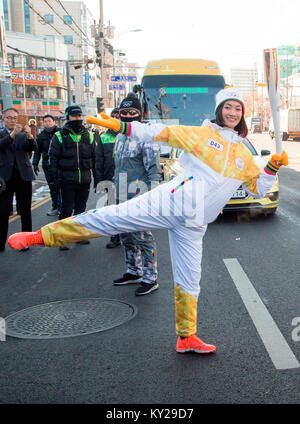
column 276, row 345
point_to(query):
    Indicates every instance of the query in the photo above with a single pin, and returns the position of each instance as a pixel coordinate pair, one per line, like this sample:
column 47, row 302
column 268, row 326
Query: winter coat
column 16, row 153
column 137, row 162
column 72, row 156
column 214, row 157
column 105, row 164
column 43, row 142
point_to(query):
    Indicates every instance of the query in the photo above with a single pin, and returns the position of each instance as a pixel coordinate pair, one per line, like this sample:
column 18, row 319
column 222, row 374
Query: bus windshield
column 184, row 99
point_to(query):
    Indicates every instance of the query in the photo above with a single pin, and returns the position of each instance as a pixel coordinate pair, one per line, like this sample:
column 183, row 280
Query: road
column 248, row 307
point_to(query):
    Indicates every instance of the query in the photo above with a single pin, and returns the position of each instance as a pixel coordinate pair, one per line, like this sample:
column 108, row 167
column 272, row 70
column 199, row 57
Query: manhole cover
column 68, row 318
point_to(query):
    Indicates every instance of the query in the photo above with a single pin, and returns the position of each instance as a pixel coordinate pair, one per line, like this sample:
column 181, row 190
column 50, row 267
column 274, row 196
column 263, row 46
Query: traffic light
column 98, row 51
column 100, row 104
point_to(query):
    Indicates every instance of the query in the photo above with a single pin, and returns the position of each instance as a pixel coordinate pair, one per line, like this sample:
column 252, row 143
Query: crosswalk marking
column 274, row 342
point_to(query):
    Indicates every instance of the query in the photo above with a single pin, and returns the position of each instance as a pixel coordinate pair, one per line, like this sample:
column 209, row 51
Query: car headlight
column 274, row 195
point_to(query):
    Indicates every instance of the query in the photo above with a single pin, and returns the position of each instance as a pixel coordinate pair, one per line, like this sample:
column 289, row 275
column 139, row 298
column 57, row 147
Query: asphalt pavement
column 135, row 363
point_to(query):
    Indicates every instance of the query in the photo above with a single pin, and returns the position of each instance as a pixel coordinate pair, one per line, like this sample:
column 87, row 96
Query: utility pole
column 24, row 87
column 69, row 100
column 5, row 71
column 47, row 82
column 101, row 38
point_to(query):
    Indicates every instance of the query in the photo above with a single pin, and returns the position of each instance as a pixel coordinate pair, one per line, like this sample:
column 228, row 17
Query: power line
column 46, row 22
column 62, row 19
column 63, row 7
column 38, row 13
column 35, row 55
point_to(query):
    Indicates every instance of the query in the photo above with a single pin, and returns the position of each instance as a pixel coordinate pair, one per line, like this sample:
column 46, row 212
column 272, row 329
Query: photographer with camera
column 16, row 146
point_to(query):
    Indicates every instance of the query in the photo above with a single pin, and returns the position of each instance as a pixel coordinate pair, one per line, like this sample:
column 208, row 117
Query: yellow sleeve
column 183, row 137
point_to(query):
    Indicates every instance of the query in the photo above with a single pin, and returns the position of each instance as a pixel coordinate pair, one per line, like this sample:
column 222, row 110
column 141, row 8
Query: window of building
column 51, row 92
column 18, row 61
column 49, row 18
column 19, row 91
column 68, row 19
column 13, row 90
column 32, row 92
column 5, row 10
column 10, row 59
column 27, row 18
column 68, row 39
column 30, row 62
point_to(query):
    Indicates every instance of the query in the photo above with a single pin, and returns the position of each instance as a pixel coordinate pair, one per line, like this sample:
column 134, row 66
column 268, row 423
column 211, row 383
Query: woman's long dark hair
column 241, row 128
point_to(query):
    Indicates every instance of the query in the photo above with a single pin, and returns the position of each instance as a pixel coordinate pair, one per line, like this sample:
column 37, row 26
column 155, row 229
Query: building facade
column 245, row 79
column 70, row 23
column 38, row 86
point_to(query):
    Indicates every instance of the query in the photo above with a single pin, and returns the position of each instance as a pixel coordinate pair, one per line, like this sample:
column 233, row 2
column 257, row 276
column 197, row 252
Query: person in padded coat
column 72, row 163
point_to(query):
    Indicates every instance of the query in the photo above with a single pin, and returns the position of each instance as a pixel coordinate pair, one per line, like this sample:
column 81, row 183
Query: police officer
column 72, row 162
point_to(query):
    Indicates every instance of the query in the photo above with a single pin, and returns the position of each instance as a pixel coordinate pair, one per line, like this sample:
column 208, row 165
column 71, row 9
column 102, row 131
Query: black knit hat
column 114, row 111
column 73, row 111
column 131, row 102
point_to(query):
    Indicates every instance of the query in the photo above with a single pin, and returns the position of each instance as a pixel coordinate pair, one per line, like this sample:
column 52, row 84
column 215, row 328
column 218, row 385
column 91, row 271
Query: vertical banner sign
column 86, row 79
column 272, row 79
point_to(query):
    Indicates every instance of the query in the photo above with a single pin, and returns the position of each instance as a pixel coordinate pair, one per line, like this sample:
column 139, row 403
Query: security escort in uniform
column 72, row 162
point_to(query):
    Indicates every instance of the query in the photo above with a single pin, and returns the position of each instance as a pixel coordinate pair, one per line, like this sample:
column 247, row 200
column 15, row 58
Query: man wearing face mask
column 137, row 169
column 43, row 141
column 72, row 162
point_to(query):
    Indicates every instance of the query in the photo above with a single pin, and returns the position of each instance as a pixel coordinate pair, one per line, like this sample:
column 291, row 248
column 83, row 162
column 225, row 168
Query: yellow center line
column 34, row 206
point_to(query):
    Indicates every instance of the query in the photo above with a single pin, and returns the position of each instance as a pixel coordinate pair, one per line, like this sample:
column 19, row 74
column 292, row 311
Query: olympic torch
column 272, row 78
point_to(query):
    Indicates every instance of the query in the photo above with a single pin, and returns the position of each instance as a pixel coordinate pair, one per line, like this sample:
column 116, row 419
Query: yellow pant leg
column 185, row 313
column 65, row 231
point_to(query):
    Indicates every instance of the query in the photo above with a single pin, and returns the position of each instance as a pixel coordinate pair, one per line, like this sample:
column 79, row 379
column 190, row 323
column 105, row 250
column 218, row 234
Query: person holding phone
column 16, row 146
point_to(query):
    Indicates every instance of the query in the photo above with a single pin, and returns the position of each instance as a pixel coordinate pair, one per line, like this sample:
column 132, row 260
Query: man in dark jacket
column 43, row 141
column 72, row 161
column 16, row 147
column 105, row 164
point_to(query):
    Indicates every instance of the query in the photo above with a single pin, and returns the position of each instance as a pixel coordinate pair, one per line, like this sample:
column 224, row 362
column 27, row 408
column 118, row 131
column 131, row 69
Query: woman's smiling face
column 232, row 113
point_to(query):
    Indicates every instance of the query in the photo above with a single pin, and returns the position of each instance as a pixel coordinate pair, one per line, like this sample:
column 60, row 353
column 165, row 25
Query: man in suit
column 16, row 147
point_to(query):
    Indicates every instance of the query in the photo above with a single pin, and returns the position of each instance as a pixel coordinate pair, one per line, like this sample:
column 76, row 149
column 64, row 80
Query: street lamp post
column 47, row 82
column 101, row 38
column 123, row 54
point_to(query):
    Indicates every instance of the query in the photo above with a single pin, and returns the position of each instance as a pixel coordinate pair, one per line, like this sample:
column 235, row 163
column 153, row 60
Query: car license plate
column 239, row 194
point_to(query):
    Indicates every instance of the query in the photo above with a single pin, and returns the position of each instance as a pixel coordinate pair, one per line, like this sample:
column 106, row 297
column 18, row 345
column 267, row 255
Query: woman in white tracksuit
column 215, row 164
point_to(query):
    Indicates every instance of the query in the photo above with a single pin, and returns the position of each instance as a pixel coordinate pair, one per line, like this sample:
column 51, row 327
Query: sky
column 234, row 33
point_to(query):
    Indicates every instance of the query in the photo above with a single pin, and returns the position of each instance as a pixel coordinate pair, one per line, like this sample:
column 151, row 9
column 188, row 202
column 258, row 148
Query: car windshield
column 165, row 151
column 188, row 99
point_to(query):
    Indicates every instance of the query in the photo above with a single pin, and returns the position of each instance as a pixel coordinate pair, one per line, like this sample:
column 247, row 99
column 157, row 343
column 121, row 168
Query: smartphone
column 23, row 120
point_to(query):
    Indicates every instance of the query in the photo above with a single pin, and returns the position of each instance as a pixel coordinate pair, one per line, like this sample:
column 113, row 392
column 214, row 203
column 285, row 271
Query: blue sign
column 117, row 87
column 127, row 78
column 86, row 79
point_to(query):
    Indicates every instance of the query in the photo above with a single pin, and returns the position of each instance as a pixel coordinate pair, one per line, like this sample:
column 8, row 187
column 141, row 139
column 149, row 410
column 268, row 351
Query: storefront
column 32, row 96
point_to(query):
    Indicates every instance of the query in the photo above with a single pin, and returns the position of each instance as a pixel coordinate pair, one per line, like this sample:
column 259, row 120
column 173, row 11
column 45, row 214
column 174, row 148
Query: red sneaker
column 193, row 344
column 21, row 240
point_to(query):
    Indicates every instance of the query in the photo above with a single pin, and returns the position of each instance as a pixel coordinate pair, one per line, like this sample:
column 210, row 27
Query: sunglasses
column 129, row 112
